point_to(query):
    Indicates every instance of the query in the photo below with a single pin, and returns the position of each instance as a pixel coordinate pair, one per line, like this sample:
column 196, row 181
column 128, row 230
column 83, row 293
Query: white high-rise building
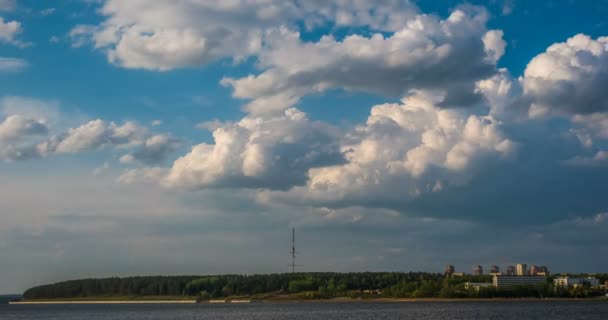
column 522, row 269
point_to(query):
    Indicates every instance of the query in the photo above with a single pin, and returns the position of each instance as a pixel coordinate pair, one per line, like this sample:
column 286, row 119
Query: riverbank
column 104, row 302
column 335, row 300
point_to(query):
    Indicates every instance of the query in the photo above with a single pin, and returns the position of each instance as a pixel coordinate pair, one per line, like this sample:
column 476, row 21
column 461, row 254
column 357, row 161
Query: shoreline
column 335, row 300
column 103, row 302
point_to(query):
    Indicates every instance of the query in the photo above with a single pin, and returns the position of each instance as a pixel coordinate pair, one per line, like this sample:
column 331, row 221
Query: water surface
column 511, row 310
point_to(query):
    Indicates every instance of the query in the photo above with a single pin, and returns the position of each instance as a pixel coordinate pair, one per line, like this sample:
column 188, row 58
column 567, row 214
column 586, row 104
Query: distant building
column 514, row 281
column 543, row 271
column 449, row 270
column 574, row 282
column 457, row 274
column 539, row 271
column 494, row 270
column 533, row 270
column 510, row 270
column 477, row 270
column 522, row 269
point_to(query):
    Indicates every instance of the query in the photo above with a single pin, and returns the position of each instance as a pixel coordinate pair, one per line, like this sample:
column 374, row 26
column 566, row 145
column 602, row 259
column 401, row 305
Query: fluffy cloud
column 403, row 151
column 272, row 152
column 384, row 15
column 15, row 126
column 93, row 135
column 16, row 135
column 34, row 129
column 569, row 78
column 503, row 95
column 9, row 30
column 161, row 35
column 154, row 150
column 425, row 53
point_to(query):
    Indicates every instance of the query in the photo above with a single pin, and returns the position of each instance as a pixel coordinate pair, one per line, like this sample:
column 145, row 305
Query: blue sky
column 155, row 137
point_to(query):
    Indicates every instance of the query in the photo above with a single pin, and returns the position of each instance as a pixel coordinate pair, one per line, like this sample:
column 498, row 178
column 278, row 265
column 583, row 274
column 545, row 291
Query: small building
column 566, row 281
column 503, row 281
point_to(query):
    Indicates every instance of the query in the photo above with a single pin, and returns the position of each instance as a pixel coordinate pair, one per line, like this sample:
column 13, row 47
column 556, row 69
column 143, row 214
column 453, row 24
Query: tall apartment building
column 534, row 270
column 478, row 270
column 522, row 269
column 510, row 271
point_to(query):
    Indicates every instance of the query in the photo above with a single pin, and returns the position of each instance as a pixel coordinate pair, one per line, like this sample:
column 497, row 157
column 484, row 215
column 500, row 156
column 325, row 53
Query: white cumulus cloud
column 164, row 35
column 272, row 152
column 401, row 152
column 16, row 135
column 569, row 78
column 9, row 31
column 32, row 128
column 93, row 135
column 153, row 150
column 426, row 52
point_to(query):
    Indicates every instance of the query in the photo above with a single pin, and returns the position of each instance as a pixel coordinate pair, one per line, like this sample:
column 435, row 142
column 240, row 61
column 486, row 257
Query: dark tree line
column 134, row 286
column 302, row 285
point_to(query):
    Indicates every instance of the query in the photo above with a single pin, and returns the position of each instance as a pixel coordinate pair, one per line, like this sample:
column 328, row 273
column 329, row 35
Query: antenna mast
column 293, row 250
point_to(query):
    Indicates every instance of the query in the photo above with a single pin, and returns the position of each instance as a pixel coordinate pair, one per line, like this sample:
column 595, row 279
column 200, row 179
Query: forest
column 299, row 286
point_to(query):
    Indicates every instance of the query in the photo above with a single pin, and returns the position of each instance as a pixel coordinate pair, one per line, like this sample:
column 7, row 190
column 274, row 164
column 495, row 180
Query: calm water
column 588, row 310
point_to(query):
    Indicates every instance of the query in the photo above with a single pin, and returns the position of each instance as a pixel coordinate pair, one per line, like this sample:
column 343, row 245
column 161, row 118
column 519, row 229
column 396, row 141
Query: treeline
column 300, row 285
column 133, row 286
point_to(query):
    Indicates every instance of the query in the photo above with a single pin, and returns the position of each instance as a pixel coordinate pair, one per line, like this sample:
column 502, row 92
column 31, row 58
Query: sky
column 156, row 137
